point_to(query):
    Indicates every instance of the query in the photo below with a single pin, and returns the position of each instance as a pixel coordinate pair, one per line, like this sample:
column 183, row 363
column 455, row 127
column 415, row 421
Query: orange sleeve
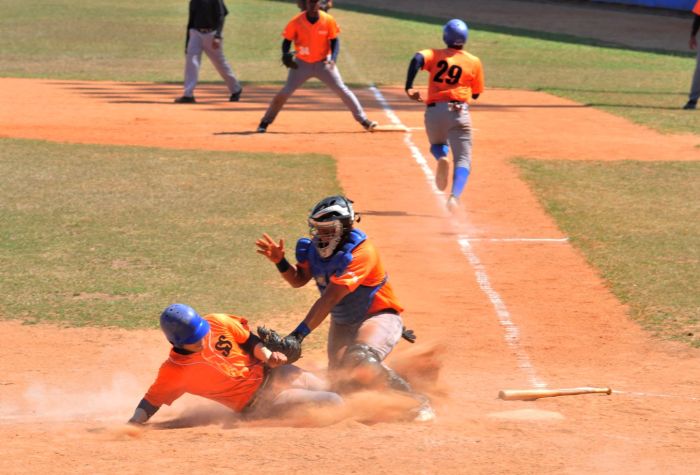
column 696, row 8
column 167, row 386
column 363, row 261
column 428, row 56
column 290, row 31
column 333, row 28
column 478, row 84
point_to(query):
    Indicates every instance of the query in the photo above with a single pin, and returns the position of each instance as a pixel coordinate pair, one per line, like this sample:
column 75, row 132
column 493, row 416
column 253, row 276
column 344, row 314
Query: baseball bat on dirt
column 532, row 394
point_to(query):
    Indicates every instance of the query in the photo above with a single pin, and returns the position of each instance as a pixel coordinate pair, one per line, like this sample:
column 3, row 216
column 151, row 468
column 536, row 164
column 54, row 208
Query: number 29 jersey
column 454, row 75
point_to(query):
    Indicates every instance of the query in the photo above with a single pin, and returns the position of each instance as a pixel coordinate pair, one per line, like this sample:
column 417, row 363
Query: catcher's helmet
column 330, row 222
column 182, row 325
column 455, row 33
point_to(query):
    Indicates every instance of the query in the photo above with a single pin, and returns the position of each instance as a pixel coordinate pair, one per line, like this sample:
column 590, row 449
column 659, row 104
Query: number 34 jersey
column 454, row 75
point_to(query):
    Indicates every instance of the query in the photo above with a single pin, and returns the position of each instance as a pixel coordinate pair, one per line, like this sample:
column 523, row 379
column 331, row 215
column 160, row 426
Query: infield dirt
column 509, row 313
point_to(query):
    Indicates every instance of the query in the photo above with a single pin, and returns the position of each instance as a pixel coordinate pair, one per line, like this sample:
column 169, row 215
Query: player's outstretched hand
column 414, row 95
column 270, row 249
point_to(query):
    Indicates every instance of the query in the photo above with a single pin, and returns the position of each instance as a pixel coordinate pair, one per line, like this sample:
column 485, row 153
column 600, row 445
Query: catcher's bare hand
column 414, row 95
column 216, row 43
column 270, row 249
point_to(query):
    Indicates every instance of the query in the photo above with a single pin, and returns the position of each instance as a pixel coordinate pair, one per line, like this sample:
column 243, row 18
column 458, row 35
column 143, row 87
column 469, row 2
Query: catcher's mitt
column 288, row 60
column 288, row 346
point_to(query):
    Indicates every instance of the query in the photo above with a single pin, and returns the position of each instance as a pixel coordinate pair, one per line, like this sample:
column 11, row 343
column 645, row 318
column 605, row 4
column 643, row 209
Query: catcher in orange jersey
column 217, row 357
column 366, row 321
column 315, row 36
column 455, row 78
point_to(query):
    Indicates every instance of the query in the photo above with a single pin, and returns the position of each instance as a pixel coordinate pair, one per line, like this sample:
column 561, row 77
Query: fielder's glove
column 288, row 346
column 288, row 60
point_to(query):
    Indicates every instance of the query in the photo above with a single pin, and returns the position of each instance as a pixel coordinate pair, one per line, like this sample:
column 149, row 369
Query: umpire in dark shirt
column 204, row 33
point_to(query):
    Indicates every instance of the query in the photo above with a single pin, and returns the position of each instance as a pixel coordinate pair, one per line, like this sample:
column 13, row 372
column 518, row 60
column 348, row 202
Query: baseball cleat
column 424, row 414
column 443, row 167
column 452, row 203
column 235, row 97
column 262, row 128
column 690, row 105
column 185, row 100
column 369, row 125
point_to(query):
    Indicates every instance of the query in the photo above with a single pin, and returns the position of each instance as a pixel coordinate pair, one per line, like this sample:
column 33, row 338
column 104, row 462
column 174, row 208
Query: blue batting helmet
column 182, row 325
column 455, row 33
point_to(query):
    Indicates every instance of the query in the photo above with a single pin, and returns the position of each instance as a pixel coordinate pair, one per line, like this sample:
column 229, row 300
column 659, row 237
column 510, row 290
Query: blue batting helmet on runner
column 182, row 325
column 455, row 33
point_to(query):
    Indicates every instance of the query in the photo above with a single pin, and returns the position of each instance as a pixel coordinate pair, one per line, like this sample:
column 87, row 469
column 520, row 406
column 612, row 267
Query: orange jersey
column 696, row 8
column 454, row 75
column 222, row 371
column 366, row 269
column 311, row 41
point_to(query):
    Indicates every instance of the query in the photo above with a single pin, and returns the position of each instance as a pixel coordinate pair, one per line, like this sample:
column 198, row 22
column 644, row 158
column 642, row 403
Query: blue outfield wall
column 669, row 4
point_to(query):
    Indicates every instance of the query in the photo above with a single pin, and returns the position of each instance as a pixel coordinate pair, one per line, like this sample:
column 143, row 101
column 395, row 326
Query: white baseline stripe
column 512, row 333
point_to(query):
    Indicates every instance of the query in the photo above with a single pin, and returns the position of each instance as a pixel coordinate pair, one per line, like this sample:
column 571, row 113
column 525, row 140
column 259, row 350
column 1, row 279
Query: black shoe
column 262, row 128
column 185, row 100
column 690, row 105
column 369, row 125
column 236, row 96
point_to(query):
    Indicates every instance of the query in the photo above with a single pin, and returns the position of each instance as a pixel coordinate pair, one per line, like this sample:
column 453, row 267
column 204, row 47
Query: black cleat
column 369, row 125
column 236, row 96
column 185, row 100
column 690, row 105
column 262, row 128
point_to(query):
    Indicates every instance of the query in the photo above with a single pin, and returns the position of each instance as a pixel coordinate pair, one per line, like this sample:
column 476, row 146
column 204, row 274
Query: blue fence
column 669, row 4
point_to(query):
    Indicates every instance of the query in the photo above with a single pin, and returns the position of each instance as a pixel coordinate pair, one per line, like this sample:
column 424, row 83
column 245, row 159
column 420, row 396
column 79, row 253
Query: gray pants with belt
column 453, row 127
column 329, row 75
column 204, row 42
column 695, row 87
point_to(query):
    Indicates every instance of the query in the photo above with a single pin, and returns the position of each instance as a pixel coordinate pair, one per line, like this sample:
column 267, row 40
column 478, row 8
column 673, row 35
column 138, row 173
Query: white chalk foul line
column 512, row 333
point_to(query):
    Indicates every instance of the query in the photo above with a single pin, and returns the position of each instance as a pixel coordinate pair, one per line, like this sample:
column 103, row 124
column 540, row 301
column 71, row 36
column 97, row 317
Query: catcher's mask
column 330, row 222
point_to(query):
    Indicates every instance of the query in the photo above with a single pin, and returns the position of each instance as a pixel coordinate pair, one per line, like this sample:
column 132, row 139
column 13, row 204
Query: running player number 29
column 453, row 73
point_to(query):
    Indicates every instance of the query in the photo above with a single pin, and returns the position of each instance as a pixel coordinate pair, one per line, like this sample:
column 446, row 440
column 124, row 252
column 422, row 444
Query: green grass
column 130, row 40
column 95, row 235
column 638, row 223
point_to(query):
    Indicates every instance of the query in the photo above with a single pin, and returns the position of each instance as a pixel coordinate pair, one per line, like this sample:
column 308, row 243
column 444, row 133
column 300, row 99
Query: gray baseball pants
column 329, row 75
column 453, row 127
column 204, row 42
column 380, row 332
column 695, row 86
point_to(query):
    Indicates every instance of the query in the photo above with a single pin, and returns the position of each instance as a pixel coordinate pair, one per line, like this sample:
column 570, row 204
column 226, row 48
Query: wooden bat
column 532, row 394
